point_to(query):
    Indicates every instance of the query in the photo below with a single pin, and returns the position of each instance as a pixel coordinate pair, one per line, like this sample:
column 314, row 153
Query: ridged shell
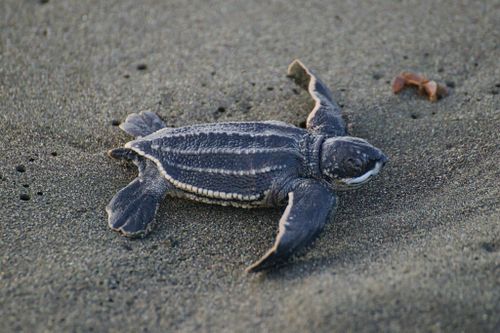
column 230, row 161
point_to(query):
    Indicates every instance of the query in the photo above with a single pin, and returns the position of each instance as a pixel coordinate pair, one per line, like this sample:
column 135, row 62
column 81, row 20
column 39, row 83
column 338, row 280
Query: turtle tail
column 132, row 210
column 142, row 124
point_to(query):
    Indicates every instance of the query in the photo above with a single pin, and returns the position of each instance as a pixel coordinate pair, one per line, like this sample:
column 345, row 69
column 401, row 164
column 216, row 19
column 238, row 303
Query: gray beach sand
column 417, row 249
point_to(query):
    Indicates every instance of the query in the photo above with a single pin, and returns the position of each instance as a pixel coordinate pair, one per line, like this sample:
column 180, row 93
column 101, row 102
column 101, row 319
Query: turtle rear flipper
column 132, row 210
column 142, row 124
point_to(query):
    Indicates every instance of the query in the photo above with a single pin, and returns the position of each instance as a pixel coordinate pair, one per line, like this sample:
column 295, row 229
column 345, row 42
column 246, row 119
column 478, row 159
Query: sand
column 417, row 249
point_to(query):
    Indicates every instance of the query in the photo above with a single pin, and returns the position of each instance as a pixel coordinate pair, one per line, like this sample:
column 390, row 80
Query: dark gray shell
column 226, row 161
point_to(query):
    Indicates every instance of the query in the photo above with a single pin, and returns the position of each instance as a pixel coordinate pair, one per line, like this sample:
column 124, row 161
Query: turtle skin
column 247, row 164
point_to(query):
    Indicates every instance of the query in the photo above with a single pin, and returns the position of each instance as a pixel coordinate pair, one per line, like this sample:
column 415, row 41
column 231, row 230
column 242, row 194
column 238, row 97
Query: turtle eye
column 354, row 164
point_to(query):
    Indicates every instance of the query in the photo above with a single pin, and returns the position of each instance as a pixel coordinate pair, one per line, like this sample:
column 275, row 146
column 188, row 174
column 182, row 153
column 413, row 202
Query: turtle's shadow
column 302, row 265
column 343, row 228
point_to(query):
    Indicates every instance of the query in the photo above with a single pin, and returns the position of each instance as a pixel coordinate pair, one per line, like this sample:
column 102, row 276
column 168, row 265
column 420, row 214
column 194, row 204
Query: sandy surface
column 418, row 249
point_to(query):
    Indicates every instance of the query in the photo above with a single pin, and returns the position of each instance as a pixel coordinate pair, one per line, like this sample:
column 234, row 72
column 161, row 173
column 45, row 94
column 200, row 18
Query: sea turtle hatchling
column 247, row 164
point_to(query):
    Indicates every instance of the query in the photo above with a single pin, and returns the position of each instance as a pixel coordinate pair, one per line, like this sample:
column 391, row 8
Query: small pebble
column 170, row 242
column 20, row 168
column 24, row 197
column 488, row 247
column 142, row 67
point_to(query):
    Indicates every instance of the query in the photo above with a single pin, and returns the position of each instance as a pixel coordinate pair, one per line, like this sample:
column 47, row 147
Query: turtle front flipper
column 326, row 116
column 310, row 204
column 132, row 210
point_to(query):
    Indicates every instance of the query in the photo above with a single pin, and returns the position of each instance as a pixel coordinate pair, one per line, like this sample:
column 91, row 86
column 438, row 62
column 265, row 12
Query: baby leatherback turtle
column 247, row 164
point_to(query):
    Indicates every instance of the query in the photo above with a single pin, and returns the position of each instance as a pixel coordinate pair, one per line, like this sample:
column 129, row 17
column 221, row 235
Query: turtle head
column 347, row 162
